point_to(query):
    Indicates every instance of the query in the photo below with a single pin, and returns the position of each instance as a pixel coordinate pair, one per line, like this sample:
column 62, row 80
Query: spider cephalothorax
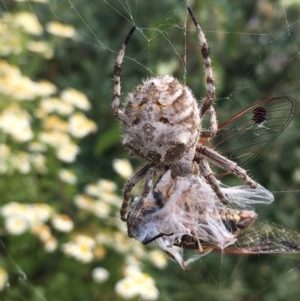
column 161, row 123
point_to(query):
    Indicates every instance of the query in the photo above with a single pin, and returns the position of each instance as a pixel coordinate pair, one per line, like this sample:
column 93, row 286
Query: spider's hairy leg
column 210, row 178
column 207, row 103
column 227, row 165
column 135, row 212
column 117, row 76
column 213, row 125
column 128, row 188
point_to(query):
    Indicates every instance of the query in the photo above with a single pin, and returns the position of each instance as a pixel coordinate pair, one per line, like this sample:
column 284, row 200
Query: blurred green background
column 255, row 51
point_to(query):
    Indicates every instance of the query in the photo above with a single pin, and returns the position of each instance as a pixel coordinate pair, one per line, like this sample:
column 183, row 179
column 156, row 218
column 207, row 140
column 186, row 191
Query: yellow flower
column 21, row 162
column 56, row 105
column 42, row 231
column 104, row 238
column 107, row 185
column 149, row 292
column 38, row 161
column 84, row 202
column 137, row 283
column 16, row 122
column 60, row 29
column 28, row 22
column 62, row 222
column 121, row 242
column 81, row 248
column 126, row 288
column 80, row 126
column 3, row 279
column 54, row 123
column 22, row 88
column 16, row 225
column 68, row 152
column 13, row 83
column 158, row 258
column 100, row 274
column 10, row 42
column 123, row 168
column 44, row 88
column 41, row 47
column 85, row 240
column 7, row 69
column 18, row 216
column 91, row 189
column 42, row 211
column 55, row 139
column 75, row 98
column 36, row 146
column 99, row 252
column 101, row 209
column 4, row 157
column 4, row 151
column 67, row 176
column 50, row 244
column 18, row 86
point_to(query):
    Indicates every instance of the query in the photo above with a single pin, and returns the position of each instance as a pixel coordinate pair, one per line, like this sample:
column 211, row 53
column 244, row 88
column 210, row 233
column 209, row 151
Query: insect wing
column 265, row 238
column 250, row 131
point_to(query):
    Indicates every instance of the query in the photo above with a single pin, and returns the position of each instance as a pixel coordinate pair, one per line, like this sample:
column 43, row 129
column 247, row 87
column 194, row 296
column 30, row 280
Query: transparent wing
column 250, row 131
column 264, row 238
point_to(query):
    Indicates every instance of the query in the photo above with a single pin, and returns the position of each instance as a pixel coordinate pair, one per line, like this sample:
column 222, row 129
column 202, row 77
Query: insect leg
column 197, row 241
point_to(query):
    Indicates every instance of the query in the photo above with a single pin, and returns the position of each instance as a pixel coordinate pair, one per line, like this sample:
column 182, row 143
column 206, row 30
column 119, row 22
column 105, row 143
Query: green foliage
column 254, row 47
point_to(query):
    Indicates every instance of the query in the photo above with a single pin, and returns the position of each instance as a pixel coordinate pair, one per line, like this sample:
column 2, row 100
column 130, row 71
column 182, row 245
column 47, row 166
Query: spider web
column 259, row 49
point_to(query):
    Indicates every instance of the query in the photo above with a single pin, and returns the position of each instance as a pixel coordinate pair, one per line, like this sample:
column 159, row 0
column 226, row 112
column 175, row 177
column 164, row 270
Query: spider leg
column 128, row 188
column 207, row 103
column 117, row 77
column 226, row 164
column 135, row 212
column 210, row 178
column 213, row 125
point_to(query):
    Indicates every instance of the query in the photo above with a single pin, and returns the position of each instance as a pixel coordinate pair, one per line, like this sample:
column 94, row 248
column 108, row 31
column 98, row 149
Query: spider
column 162, row 124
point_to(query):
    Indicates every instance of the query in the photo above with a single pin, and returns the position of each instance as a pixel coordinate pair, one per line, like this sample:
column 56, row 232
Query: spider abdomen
column 161, row 120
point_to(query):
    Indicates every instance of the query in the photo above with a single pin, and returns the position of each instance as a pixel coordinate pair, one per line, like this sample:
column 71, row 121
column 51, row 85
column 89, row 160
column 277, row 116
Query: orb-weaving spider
column 162, row 124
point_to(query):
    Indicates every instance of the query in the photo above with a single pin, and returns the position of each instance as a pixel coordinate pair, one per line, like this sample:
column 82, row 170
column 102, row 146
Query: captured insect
column 264, row 237
column 250, row 131
column 162, row 124
column 185, row 213
column 259, row 237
